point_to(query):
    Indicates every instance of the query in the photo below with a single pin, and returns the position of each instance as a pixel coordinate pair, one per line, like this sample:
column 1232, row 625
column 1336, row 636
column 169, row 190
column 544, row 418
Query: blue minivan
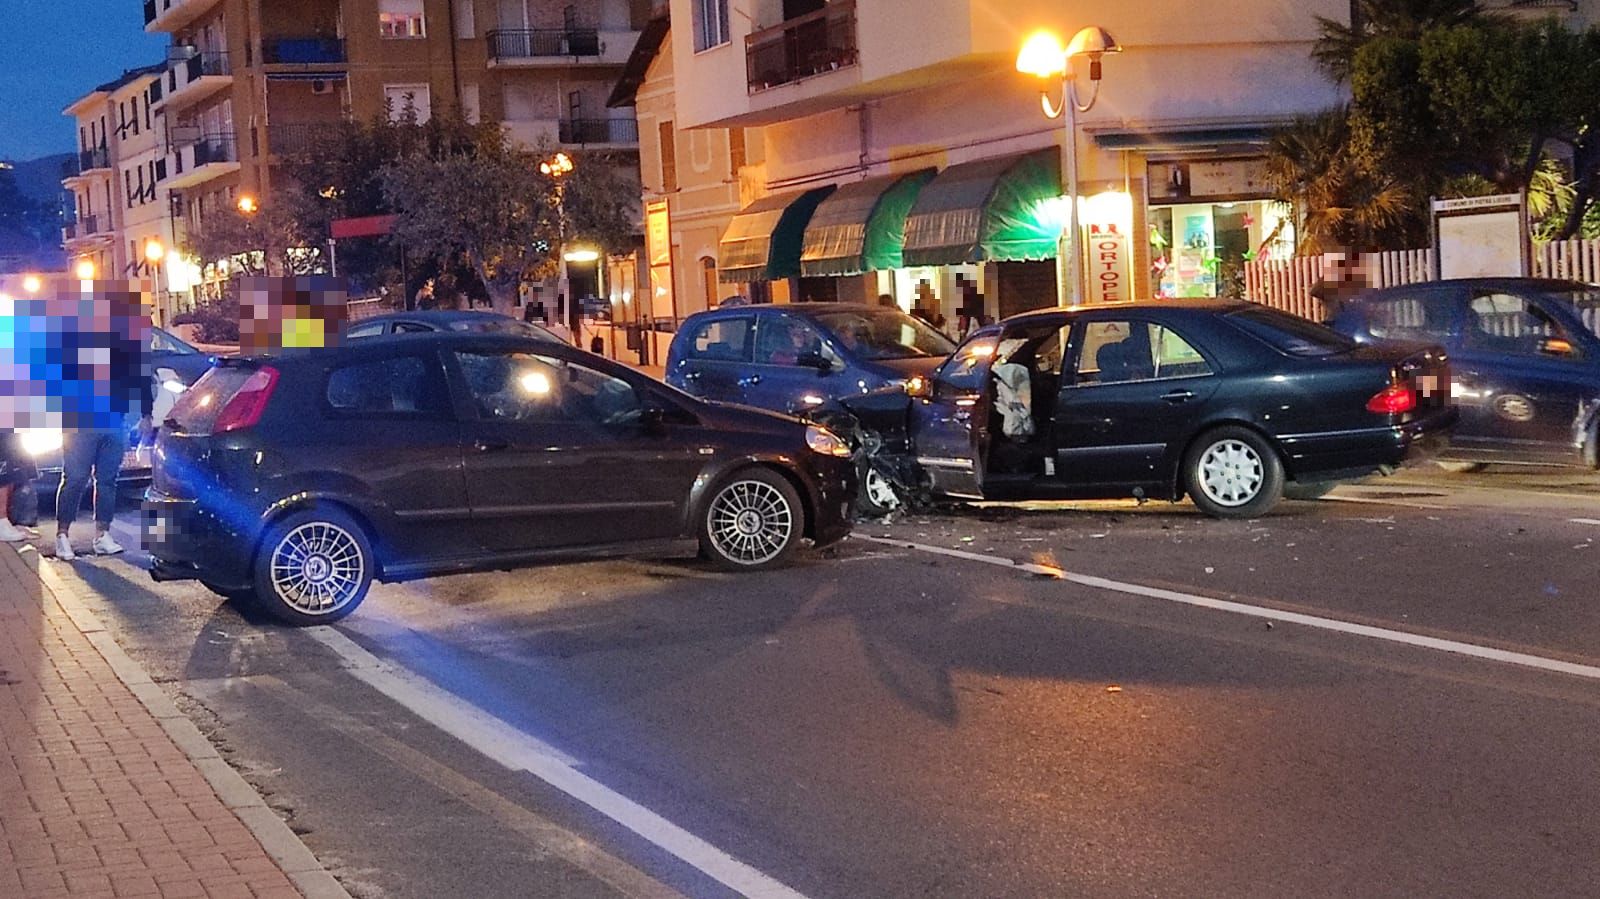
column 791, row 358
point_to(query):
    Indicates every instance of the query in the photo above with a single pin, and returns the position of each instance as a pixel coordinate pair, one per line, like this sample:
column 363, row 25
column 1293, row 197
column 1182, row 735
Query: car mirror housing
column 1555, row 346
column 919, row 387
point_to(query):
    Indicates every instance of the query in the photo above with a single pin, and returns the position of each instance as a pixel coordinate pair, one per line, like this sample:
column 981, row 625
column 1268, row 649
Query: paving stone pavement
column 97, row 799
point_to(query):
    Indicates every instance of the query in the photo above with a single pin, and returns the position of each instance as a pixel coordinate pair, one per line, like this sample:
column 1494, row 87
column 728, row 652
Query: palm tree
column 1338, row 201
column 1336, row 48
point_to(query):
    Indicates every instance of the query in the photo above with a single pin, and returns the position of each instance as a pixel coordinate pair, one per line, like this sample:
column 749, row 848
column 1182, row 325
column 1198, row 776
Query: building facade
column 932, row 175
column 247, row 81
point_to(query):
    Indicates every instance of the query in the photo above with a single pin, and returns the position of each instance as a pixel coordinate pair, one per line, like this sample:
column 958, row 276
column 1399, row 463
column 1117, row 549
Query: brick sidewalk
column 96, row 799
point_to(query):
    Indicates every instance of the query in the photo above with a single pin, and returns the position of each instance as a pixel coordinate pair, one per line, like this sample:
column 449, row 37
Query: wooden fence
column 1286, row 283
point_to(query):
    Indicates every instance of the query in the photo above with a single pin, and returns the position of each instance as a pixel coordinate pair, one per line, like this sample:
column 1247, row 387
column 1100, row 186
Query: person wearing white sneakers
column 86, row 452
column 16, row 469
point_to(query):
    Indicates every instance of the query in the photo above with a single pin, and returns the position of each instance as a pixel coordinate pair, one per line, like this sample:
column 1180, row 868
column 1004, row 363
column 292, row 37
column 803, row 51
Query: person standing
column 86, row 453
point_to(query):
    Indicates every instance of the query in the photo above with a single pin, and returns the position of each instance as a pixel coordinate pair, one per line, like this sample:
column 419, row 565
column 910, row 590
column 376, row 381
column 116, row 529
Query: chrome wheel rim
column 318, row 568
column 750, row 522
column 879, row 491
column 1231, row 473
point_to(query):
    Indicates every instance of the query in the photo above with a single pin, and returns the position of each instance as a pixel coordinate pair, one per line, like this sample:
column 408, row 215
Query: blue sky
column 56, row 51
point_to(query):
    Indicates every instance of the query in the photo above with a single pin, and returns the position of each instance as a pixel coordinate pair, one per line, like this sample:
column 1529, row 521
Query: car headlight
column 39, row 441
column 821, row 440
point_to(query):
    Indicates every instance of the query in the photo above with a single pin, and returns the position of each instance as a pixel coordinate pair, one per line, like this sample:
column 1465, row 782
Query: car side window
column 538, row 389
column 963, row 371
column 1425, row 315
column 360, row 331
column 403, row 386
column 1507, row 323
column 723, row 340
column 410, row 328
column 1115, row 352
column 781, row 340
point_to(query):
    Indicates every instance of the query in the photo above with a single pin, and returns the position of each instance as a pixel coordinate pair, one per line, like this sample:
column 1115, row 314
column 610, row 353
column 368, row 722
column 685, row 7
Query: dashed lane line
column 1458, row 647
column 1595, row 521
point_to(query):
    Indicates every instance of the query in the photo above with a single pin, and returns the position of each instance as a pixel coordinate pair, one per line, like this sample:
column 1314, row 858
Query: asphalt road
column 937, row 721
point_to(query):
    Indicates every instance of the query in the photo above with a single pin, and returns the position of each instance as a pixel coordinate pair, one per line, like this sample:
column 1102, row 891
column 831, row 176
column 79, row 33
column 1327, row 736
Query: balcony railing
column 300, row 138
column 599, row 131
column 532, row 43
column 97, row 158
column 303, row 51
column 199, row 65
column 802, row 47
column 85, row 226
column 213, row 148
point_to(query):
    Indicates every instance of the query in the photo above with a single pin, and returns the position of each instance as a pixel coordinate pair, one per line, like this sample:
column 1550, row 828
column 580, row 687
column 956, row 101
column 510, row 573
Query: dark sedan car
column 793, row 358
column 296, row 480
column 1526, row 357
column 427, row 321
column 1227, row 402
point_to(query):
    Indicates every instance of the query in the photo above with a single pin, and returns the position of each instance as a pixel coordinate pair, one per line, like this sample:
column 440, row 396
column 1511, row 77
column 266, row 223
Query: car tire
column 878, row 496
column 1307, row 491
column 752, row 520
column 1233, row 472
column 313, row 567
column 1460, row 467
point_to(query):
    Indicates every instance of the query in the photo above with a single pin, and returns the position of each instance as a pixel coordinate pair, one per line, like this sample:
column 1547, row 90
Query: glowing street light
column 247, row 204
column 154, row 252
column 1043, row 57
column 85, row 270
column 581, row 255
column 558, row 167
column 32, row 283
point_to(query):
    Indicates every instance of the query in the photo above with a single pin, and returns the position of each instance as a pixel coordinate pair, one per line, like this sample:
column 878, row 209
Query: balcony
column 599, row 132
column 193, row 75
column 85, row 227
column 88, row 162
column 301, row 138
column 172, row 15
column 559, row 47
column 801, row 48
column 209, row 157
column 303, row 51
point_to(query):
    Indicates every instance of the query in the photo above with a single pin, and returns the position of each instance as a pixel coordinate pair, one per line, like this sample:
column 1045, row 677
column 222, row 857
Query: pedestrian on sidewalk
column 85, row 453
column 16, row 469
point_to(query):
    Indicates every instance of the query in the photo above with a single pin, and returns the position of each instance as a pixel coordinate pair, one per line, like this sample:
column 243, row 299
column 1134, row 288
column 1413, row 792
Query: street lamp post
column 154, row 254
column 1043, row 56
column 557, row 168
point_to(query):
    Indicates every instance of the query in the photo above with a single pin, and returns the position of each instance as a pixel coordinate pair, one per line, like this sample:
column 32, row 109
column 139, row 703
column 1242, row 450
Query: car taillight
column 246, row 406
column 1393, row 400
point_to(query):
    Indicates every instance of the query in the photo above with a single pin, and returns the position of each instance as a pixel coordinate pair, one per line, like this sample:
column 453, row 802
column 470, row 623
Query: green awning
column 991, row 210
column 861, row 227
column 762, row 242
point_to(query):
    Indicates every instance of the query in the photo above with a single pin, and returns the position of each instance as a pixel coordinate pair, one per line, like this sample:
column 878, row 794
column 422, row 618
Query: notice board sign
column 1482, row 237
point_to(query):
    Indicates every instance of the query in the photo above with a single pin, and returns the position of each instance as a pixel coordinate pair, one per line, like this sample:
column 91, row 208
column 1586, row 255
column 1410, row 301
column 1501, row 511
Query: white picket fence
column 1286, row 283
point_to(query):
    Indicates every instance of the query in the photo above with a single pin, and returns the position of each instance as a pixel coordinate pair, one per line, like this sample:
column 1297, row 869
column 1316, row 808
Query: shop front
column 1207, row 218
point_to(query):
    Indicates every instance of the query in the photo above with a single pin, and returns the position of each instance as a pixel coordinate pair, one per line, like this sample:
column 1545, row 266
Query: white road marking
column 520, row 752
column 1383, row 502
column 1584, row 520
column 1458, row 647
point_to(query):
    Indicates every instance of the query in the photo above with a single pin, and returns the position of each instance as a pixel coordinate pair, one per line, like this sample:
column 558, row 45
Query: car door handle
column 490, row 446
column 750, row 381
column 1178, row 397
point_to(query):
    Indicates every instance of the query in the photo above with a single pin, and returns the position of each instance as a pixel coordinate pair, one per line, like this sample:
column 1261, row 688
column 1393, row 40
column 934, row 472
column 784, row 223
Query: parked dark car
column 792, row 358
column 1526, row 362
column 430, row 320
column 1230, row 403
column 296, row 480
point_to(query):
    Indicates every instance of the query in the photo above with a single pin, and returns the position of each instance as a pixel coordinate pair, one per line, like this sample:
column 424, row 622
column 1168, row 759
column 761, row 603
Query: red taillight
column 246, row 406
column 1393, row 400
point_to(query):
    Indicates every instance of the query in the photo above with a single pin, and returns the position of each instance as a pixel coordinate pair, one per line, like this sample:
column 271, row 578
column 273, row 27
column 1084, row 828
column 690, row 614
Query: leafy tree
column 1313, row 166
column 1409, row 20
column 272, row 240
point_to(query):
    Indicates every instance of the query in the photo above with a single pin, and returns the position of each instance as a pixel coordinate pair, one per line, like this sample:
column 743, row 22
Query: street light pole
column 557, row 168
column 1042, row 55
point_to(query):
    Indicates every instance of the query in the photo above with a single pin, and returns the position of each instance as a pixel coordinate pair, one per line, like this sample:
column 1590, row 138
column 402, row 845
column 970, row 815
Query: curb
column 282, row 844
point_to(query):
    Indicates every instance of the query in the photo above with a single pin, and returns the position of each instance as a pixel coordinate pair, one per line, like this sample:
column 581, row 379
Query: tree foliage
column 1336, row 49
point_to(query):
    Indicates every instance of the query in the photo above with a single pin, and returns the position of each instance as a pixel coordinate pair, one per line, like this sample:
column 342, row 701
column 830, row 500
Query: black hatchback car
column 296, row 480
column 1230, row 403
column 1526, row 356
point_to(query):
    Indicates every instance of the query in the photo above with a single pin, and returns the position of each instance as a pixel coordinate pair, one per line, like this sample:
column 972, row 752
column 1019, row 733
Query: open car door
column 950, row 418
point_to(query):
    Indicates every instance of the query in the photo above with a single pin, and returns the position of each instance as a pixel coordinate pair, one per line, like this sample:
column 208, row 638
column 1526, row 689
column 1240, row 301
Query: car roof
column 355, row 349
column 433, row 316
column 1184, row 305
column 1501, row 282
column 801, row 309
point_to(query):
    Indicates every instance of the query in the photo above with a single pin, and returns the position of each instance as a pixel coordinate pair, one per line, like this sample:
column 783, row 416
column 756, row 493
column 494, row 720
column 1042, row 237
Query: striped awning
column 763, row 241
column 861, row 227
column 990, row 210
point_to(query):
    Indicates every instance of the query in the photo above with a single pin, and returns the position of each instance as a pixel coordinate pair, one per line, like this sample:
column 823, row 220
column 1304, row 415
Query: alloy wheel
column 751, row 522
column 880, row 493
column 318, row 568
column 1231, row 473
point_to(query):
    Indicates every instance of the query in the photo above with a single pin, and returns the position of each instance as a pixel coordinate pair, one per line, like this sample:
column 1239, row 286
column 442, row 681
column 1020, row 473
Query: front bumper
column 834, row 485
column 186, row 541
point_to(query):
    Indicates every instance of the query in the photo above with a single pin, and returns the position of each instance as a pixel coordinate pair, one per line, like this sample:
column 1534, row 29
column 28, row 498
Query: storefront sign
column 658, row 233
column 1220, row 180
column 1108, row 268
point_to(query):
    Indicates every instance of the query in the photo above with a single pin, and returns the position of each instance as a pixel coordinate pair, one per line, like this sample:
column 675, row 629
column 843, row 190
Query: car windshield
column 1584, row 303
column 163, row 342
column 1290, row 334
column 885, row 334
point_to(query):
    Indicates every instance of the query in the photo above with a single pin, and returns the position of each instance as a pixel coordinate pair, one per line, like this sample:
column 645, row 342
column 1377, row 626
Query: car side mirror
column 653, row 418
column 815, row 360
column 919, row 387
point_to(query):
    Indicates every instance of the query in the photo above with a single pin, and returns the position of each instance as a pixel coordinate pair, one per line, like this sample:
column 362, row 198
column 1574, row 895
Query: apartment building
column 246, row 81
column 114, row 175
